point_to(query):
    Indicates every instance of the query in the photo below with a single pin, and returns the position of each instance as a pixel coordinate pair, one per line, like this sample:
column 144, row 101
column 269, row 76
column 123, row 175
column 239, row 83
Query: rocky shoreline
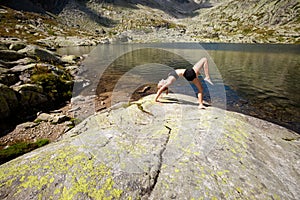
column 36, row 83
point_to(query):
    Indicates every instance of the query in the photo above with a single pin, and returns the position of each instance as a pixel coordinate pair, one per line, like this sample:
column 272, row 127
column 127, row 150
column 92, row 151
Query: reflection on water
column 260, row 80
column 78, row 51
column 268, row 81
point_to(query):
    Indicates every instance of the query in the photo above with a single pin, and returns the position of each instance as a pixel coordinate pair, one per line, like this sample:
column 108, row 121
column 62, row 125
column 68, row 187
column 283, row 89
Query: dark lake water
column 257, row 80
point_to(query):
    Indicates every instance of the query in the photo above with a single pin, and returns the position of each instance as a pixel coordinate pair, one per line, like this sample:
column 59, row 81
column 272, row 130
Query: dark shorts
column 173, row 73
column 189, row 74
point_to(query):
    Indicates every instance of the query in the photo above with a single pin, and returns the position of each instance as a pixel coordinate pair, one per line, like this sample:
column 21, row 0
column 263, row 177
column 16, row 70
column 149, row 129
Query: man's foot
column 209, row 81
column 201, row 106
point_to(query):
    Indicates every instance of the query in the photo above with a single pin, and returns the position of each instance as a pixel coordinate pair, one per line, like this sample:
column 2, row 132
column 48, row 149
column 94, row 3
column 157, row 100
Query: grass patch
column 20, row 149
column 74, row 121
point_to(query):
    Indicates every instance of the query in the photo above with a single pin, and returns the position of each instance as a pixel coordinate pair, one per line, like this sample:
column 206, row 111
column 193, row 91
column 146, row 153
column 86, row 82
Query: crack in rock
column 147, row 192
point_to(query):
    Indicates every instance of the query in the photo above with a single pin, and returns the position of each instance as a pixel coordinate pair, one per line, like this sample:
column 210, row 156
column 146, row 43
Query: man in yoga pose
column 190, row 75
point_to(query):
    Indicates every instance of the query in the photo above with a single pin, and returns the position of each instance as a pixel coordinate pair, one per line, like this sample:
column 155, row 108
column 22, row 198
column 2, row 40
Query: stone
column 43, row 117
column 3, row 70
column 28, row 86
column 81, row 83
column 10, row 55
column 70, row 59
column 22, row 68
column 31, row 95
column 40, row 54
column 26, row 125
column 167, row 150
column 17, row 46
column 32, row 99
column 3, row 46
column 57, row 119
column 123, row 38
column 8, row 78
column 8, row 101
column 68, row 41
column 23, row 61
column 73, row 69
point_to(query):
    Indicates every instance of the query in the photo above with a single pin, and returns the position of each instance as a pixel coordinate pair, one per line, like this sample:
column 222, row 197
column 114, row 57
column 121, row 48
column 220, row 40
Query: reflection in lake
column 268, row 81
column 260, row 80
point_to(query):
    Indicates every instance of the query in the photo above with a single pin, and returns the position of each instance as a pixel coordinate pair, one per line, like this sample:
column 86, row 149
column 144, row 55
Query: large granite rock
column 31, row 95
column 9, row 55
column 170, row 150
column 43, row 55
column 8, row 101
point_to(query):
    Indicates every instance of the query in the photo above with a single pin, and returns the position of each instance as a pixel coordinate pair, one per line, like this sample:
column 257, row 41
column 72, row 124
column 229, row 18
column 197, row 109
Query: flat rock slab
column 168, row 150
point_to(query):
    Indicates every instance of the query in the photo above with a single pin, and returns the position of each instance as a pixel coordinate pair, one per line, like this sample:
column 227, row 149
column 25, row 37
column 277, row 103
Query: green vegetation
column 51, row 32
column 74, row 121
column 18, row 24
column 20, row 149
column 56, row 87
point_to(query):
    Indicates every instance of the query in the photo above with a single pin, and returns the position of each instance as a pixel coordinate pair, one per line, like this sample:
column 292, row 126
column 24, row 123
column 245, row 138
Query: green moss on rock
column 19, row 149
column 56, row 87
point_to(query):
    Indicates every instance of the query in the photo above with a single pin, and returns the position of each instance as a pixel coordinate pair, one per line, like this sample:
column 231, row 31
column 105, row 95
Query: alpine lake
column 261, row 80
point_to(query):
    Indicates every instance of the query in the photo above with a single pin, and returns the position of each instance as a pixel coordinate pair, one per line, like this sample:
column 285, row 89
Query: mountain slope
column 253, row 21
column 256, row 20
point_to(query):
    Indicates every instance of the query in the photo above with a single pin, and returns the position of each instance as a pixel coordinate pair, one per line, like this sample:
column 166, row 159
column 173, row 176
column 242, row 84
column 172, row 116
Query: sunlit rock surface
column 168, row 150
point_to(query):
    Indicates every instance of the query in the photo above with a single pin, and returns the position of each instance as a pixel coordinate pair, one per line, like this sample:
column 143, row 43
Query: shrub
column 54, row 86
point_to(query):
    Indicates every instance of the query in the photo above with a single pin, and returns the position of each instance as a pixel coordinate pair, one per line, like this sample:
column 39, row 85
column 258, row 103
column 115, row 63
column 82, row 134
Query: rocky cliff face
column 172, row 150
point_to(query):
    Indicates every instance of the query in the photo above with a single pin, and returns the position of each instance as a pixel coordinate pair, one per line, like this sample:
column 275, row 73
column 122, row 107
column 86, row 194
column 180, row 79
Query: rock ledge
column 172, row 150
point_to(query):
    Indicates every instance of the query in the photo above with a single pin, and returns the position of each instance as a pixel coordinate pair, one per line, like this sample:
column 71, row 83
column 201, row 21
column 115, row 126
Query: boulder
column 8, row 79
column 10, row 55
column 40, row 54
column 31, row 95
column 43, row 117
column 33, row 99
column 37, row 66
column 17, row 46
column 55, row 118
column 3, row 46
column 3, row 70
column 24, row 61
column 60, row 41
column 24, row 87
column 26, row 125
column 70, row 59
column 168, row 150
column 22, row 68
column 8, row 101
column 73, row 69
